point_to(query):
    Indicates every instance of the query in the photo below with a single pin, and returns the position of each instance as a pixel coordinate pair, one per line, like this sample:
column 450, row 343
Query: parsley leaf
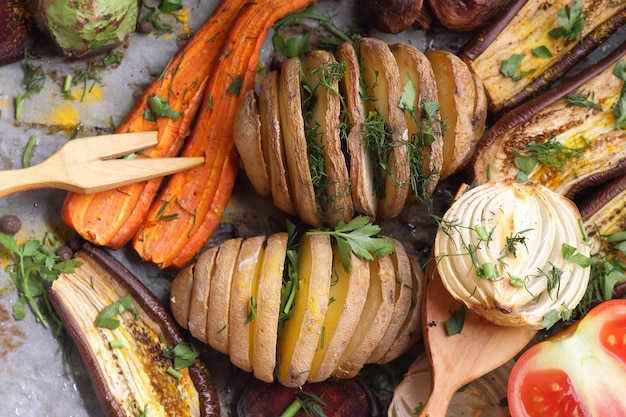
column 182, row 354
column 510, row 67
column 571, row 21
column 106, row 318
column 454, row 325
column 161, row 108
column 619, row 111
column 358, row 237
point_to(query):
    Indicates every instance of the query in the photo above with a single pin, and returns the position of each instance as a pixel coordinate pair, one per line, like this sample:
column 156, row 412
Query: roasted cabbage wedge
column 532, row 43
column 128, row 368
column 566, row 139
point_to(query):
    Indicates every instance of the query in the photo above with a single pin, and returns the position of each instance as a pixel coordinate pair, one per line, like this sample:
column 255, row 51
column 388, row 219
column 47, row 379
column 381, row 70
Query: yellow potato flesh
column 301, row 332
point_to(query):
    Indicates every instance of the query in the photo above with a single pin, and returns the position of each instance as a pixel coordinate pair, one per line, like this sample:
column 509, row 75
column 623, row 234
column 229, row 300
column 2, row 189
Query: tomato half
column 578, row 372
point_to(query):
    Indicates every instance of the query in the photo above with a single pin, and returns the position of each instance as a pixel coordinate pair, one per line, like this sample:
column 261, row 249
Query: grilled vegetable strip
column 531, row 24
column 111, row 218
column 555, row 141
column 197, row 198
column 126, row 364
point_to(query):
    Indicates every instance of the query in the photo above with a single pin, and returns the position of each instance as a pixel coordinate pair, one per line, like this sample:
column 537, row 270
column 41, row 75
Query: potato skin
column 393, row 16
column 464, row 15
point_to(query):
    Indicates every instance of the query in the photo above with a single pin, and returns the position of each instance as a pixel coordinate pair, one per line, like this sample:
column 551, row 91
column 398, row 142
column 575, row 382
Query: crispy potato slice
column 411, row 331
column 323, row 120
column 361, row 166
column 374, row 319
column 301, row 332
column 247, row 136
column 403, row 299
column 268, row 307
column 243, row 290
column 292, row 121
column 219, row 298
column 415, row 68
column 457, row 95
column 199, row 302
column 272, row 143
column 180, row 295
column 348, row 292
column 382, row 78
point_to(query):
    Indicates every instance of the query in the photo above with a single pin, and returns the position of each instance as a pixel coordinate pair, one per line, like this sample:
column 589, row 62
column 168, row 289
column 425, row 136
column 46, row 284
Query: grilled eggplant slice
column 526, row 25
column 134, row 377
column 587, row 132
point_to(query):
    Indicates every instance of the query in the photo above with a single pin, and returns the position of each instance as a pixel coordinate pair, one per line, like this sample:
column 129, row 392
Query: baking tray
column 36, row 380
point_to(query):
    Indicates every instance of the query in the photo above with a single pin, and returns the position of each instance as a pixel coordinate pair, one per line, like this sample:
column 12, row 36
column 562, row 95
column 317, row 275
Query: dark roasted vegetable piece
column 15, row 25
column 466, row 15
column 393, row 16
column 525, row 25
column 141, row 379
column 340, row 398
column 580, row 144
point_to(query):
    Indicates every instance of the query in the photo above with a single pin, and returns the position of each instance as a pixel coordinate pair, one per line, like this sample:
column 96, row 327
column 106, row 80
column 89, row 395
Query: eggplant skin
column 464, row 15
column 84, row 28
column 15, row 30
column 209, row 404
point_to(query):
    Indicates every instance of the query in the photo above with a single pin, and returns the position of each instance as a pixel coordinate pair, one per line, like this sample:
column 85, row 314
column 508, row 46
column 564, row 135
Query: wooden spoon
column 461, row 358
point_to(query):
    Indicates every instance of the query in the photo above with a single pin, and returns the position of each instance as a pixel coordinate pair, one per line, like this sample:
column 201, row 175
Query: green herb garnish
column 359, row 236
column 36, row 268
column 181, row 354
column 28, row 151
column 454, row 325
column 310, row 403
column 34, row 79
column 583, row 100
column 541, row 52
column 571, row 20
column 510, row 67
column 107, row 317
column 619, row 111
column 160, row 107
column 155, row 13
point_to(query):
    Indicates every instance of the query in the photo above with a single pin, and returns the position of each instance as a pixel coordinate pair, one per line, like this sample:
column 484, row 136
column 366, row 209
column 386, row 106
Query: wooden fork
column 88, row 165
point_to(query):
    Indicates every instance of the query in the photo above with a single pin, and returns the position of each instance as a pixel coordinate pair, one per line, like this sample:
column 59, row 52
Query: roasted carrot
column 191, row 204
column 112, row 218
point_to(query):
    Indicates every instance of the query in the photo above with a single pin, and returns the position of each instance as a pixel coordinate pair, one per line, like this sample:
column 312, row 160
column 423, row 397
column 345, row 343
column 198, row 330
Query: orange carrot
column 111, row 218
column 192, row 203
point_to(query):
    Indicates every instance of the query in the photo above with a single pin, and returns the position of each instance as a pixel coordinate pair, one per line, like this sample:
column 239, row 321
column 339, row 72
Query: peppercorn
column 10, row 224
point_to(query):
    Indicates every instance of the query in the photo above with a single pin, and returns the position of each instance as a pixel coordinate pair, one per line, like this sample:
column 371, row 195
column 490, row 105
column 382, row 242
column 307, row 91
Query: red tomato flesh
column 578, row 372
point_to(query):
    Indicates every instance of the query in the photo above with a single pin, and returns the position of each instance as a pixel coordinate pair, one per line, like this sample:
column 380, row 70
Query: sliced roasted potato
column 597, row 147
column 415, row 70
column 247, row 137
column 411, row 331
column 301, row 332
column 403, row 298
column 243, row 291
column 268, row 307
column 272, row 143
column 323, row 124
column 361, row 166
column 382, row 79
column 526, row 25
column 458, row 98
column 348, row 292
column 217, row 328
column 292, row 122
column 199, row 303
column 374, row 320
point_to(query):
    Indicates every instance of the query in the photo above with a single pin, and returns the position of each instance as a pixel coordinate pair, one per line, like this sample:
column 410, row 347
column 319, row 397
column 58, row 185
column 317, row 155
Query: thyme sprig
column 34, row 80
column 583, row 100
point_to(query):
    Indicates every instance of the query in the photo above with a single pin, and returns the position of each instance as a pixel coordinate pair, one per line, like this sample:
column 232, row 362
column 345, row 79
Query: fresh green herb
column 173, row 372
column 34, row 79
column 571, row 20
column 155, row 13
column 541, row 52
column 358, row 237
column 28, row 151
column 67, row 87
column 137, row 413
column 252, row 310
column 290, row 278
column 550, row 319
column 311, row 404
column 235, row 86
column 513, row 241
column 619, row 111
column 36, row 268
column 454, row 325
column 291, row 47
column 182, row 354
column 116, row 344
column 583, row 100
column 517, row 281
column 570, row 255
column 160, row 107
column 106, row 318
column 376, row 139
column 551, row 153
column 111, row 59
column 510, row 67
